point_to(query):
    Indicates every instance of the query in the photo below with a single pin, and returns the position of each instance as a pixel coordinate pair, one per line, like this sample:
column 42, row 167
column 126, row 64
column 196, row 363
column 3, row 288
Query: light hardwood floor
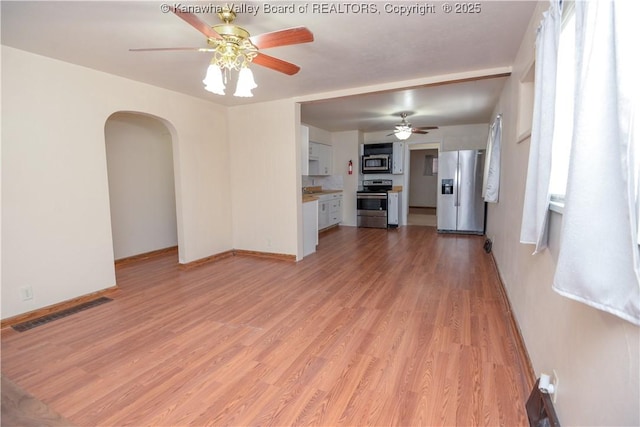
column 378, row 328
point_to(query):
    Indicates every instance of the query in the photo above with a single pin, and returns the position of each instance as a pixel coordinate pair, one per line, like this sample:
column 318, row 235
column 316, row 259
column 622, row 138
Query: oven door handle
column 372, row 196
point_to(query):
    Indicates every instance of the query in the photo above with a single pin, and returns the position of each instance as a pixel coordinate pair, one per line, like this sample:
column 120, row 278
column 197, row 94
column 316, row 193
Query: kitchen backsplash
column 330, row 182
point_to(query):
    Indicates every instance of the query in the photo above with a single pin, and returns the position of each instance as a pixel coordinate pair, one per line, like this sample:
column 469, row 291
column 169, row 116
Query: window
column 565, row 86
column 430, row 165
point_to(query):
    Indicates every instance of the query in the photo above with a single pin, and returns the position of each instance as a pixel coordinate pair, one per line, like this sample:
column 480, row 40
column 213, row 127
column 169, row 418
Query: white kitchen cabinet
column 314, row 150
column 397, row 160
column 320, row 157
column 329, row 210
column 325, row 159
column 304, row 149
column 335, row 211
column 393, row 209
column 323, row 214
column 310, row 227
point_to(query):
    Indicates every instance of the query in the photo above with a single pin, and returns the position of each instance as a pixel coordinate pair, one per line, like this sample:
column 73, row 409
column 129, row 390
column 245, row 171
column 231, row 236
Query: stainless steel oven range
column 373, row 203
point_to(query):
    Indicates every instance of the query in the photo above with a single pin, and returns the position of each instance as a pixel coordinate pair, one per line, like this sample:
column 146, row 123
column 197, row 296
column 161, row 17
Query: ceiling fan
column 404, row 129
column 233, row 48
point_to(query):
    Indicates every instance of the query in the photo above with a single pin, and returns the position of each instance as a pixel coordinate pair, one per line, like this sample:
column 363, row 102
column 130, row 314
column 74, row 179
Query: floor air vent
column 24, row 326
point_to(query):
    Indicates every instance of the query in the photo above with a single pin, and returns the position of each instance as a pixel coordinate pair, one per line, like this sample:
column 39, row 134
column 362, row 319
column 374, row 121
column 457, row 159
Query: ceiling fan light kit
column 403, row 133
column 214, row 81
column 404, row 130
column 234, row 49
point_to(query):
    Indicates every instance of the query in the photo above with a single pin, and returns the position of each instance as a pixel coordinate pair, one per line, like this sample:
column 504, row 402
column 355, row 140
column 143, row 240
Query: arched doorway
column 142, row 195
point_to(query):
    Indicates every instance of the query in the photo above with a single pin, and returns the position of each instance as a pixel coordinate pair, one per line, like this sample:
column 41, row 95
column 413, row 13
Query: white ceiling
column 350, row 50
column 469, row 102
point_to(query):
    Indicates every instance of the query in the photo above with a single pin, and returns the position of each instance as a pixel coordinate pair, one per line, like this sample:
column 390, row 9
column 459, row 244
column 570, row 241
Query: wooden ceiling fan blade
column 421, row 132
column 426, row 127
column 162, row 49
column 276, row 64
column 197, row 23
column 286, row 37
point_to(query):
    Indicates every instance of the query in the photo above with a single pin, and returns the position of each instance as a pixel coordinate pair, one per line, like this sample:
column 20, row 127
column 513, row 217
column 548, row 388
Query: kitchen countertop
column 312, row 193
column 326, row 192
column 315, row 192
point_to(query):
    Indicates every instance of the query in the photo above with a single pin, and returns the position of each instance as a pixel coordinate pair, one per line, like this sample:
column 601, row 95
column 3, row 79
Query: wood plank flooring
column 378, row 328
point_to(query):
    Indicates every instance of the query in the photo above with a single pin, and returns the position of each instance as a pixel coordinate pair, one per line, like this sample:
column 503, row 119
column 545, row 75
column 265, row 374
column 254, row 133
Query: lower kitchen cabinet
column 310, row 227
column 335, row 211
column 393, row 209
column 323, row 214
column 329, row 210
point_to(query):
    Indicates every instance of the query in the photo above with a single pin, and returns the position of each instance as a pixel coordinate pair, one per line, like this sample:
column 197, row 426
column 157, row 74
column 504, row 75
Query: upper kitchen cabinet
column 397, row 163
column 304, row 149
column 319, row 159
column 316, row 158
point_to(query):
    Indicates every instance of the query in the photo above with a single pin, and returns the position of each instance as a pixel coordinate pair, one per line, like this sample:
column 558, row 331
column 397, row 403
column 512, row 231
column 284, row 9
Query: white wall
column 346, row 146
column 56, row 228
column 265, row 177
column 595, row 354
column 467, row 137
column 141, row 184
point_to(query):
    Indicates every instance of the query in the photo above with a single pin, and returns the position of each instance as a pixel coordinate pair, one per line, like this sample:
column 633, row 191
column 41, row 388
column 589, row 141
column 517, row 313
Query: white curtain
column 536, row 200
column 599, row 259
column 491, row 184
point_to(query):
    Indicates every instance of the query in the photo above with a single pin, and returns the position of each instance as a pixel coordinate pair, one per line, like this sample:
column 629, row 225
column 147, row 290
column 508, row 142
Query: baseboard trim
column 145, row 255
column 238, row 252
column 523, row 355
column 270, row 255
column 329, row 228
column 206, row 260
column 40, row 312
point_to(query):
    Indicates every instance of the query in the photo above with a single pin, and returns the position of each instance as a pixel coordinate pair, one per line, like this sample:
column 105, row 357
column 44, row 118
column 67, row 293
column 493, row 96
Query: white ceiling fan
column 404, row 129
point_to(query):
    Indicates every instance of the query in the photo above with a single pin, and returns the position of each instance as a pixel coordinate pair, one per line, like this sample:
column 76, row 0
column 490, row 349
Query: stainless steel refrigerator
column 461, row 208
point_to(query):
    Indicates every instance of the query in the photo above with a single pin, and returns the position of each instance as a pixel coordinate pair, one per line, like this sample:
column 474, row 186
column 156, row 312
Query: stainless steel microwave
column 376, row 163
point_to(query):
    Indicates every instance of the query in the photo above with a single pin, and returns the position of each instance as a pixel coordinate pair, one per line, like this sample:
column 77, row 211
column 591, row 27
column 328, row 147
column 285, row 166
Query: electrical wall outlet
column 26, row 293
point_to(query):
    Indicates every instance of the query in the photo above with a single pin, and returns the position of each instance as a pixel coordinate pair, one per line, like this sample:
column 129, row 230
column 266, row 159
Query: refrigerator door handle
column 457, row 186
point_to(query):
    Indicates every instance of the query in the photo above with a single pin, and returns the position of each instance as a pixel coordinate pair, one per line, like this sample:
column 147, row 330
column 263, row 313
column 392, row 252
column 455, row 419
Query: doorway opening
column 139, row 149
column 423, row 182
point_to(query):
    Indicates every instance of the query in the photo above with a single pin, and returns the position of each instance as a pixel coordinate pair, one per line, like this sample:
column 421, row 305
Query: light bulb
column 245, row 83
column 213, row 80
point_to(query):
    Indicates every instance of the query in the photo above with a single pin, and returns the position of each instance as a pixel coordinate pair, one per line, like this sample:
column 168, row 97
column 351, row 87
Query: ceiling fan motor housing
column 235, row 43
